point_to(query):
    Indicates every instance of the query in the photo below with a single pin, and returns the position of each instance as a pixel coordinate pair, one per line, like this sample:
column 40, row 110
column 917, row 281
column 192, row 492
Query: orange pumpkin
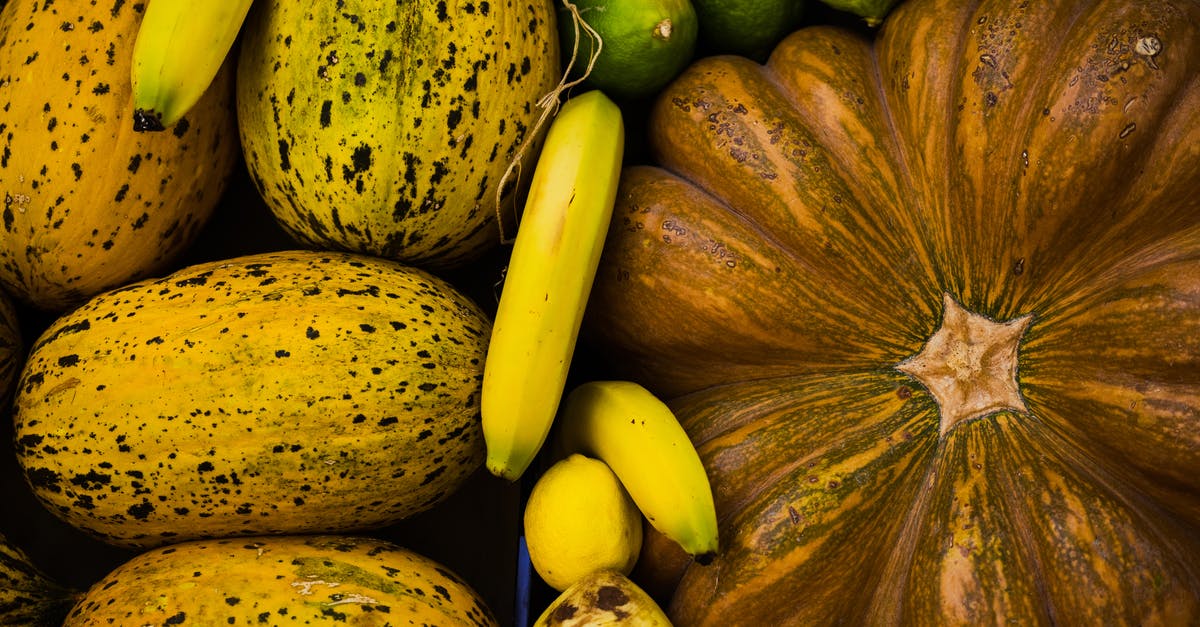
column 929, row 306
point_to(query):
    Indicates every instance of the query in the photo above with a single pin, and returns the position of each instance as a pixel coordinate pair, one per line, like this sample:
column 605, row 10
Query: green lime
column 873, row 11
column 746, row 28
column 645, row 43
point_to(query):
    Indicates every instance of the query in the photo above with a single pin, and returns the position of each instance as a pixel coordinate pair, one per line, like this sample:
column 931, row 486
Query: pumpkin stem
column 969, row 365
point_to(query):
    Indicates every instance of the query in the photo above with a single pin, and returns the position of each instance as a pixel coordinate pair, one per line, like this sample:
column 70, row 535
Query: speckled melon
column 27, row 596
column 282, row 581
column 88, row 204
column 291, row 392
column 386, row 127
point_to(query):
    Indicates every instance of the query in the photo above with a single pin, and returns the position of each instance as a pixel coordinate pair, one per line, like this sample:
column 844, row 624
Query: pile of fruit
column 692, row 312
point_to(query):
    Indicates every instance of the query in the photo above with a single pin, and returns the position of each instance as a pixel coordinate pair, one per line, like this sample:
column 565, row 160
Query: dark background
column 475, row 532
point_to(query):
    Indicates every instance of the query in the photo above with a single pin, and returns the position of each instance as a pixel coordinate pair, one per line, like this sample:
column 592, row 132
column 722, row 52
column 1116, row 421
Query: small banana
column 638, row 436
column 180, row 47
column 554, row 259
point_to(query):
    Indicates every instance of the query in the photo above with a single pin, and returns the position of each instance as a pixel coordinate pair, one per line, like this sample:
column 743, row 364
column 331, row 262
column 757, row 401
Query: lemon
column 750, row 29
column 646, row 43
column 579, row 519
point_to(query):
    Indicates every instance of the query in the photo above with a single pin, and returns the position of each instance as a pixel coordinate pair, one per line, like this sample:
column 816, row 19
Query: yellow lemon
column 579, row 519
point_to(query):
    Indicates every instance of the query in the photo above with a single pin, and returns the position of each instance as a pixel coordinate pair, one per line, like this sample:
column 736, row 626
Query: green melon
column 386, row 128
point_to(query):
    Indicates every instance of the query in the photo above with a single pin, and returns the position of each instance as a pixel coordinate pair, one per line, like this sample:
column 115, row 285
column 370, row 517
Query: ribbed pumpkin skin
column 795, row 246
column 88, row 204
column 385, row 127
column 281, row 580
column 283, row 392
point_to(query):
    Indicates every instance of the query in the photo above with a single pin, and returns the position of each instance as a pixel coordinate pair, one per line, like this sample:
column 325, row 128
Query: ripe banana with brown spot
column 180, row 47
column 554, row 259
column 638, row 436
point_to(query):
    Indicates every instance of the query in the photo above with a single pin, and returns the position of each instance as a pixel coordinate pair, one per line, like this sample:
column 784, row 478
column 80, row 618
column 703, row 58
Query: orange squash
column 929, row 307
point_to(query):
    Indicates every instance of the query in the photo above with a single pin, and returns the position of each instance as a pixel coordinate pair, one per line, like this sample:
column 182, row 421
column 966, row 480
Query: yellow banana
column 554, row 259
column 180, row 47
column 638, row 436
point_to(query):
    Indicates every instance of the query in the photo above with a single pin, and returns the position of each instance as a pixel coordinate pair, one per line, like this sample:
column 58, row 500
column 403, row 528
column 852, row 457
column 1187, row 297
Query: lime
column 746, row 28
column 873, row 11
column 579, row 519
column 645, row 43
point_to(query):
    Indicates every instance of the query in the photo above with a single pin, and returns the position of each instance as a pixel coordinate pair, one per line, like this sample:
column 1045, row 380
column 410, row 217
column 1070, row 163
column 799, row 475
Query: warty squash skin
column 281, row 580
column 810, row 234
column 385, row 127
column 291, row 392
column 89, row 204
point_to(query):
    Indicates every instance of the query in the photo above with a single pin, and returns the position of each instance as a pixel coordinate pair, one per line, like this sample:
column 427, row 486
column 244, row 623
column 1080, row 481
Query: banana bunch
column 180, row 47
column 550, row 272
column 624, row 425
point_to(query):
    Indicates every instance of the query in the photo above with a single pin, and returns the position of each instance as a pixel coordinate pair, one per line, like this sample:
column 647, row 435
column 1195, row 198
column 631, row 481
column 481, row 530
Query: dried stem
column 549, row 103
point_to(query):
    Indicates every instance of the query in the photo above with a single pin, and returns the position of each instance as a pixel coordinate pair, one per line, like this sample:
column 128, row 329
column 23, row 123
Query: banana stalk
column 554, row 260
column 638, row 436
column 180, row 47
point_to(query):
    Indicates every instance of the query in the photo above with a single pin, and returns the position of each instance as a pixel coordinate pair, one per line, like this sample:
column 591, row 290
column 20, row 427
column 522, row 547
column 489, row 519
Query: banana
column 554, row 259
column 637, row 435
column 180, row 47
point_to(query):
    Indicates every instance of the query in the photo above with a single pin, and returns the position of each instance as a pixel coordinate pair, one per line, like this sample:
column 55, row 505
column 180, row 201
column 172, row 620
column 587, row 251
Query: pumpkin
column 929, row 306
